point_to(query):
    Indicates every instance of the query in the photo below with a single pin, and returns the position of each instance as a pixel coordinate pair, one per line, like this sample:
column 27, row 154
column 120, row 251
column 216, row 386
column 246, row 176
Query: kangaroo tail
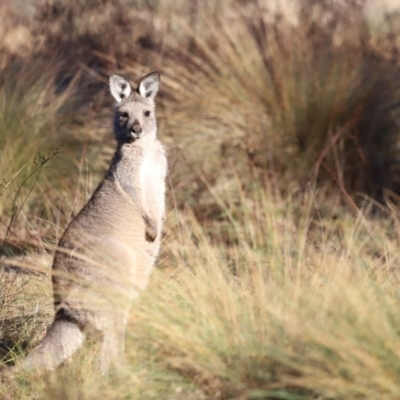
column 60, row 343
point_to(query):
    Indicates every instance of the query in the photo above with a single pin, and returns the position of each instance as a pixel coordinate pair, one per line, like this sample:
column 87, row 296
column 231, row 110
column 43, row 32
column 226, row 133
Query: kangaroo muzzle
column 136, row 129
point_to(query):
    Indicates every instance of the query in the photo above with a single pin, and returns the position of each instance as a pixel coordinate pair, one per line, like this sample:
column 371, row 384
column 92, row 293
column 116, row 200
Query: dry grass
column 277, row 279
column 289, row 309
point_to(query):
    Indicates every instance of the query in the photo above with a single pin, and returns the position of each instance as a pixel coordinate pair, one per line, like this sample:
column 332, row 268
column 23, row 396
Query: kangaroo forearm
column 151, row 226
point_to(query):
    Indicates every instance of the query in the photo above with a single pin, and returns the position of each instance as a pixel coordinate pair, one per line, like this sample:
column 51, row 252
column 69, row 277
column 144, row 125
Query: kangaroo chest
column 152, row 181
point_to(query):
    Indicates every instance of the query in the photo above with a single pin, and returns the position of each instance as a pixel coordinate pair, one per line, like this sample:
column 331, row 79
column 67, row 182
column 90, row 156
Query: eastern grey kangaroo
column 105, row 256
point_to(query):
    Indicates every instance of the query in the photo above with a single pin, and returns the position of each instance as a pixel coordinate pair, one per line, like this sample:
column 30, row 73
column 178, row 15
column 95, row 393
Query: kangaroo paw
column 151, row 229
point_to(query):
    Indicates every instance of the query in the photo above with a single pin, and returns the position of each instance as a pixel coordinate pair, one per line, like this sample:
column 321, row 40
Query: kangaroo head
column 135, row 109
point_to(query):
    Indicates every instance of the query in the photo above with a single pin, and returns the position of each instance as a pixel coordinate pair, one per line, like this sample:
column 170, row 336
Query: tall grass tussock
column 279, row 271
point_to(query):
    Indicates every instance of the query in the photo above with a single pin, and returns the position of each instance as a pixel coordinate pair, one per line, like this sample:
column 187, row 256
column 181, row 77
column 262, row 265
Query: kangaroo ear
column 148, row 86
column 119, row 87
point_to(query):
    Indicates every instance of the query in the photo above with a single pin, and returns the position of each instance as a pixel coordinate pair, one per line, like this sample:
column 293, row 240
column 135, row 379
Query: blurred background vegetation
column 282, row 124
column 303, row 92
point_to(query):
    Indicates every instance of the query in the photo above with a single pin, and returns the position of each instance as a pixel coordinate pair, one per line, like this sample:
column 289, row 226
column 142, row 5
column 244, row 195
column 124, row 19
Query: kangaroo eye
column 124, row 115
column 147, row 113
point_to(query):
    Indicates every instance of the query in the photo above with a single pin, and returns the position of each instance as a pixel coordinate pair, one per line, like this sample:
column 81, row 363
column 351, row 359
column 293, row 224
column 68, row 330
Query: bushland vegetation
column 279, row 273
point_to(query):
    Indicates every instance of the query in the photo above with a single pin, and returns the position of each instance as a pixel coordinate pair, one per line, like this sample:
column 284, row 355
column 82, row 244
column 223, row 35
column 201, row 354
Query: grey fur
column 105, row 256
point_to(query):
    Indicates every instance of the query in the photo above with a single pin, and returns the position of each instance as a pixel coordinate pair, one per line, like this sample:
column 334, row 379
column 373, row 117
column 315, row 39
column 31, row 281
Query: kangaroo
column 105, row 256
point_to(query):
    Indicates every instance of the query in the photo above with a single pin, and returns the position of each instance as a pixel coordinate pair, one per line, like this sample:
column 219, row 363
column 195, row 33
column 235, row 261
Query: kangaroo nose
column 136, row 127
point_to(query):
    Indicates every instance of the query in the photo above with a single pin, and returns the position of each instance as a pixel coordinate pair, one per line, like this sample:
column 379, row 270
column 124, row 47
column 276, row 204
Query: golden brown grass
column 291, row 308
column 278, row 277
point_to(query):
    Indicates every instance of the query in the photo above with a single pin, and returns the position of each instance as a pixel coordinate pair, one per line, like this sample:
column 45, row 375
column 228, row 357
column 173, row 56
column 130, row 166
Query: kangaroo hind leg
column 112, row 347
